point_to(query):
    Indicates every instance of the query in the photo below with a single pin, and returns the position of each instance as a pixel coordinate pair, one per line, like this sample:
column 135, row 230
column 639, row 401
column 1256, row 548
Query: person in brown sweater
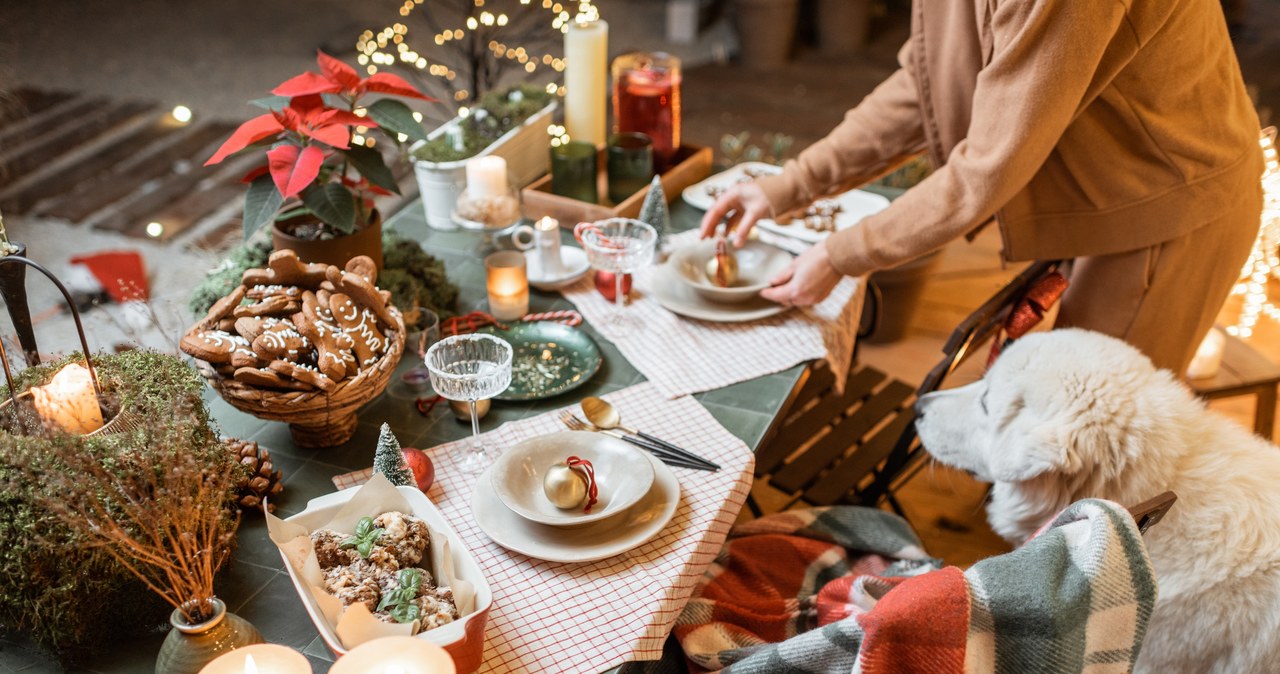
column 1117, row 133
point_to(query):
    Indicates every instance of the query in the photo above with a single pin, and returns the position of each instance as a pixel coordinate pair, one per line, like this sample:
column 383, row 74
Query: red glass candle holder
column 646, row 99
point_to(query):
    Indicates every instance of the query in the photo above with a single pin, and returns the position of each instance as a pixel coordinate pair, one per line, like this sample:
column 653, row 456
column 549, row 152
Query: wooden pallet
column 120, row 165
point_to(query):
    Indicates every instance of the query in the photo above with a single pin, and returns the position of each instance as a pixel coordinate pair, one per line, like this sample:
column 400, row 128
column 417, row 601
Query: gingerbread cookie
column 223, row 307
column 263, row 292
column 227, row 324
column 281, row 341
column 360, row 324
column 303, row 373
column 276, row 304
column 363, row 292
column 285, row 269
column 363, row 266
column 329, row 343
column 265, row 377
column 250, row 327
column 212, row 346
column 316, row 308
column 243, row 356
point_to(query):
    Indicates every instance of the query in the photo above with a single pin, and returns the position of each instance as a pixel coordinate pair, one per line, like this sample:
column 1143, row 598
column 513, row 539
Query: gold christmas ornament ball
column 722, row 268
column 564, row 487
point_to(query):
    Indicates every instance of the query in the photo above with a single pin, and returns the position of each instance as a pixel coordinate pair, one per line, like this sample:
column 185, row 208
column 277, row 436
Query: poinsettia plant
column 313, row 165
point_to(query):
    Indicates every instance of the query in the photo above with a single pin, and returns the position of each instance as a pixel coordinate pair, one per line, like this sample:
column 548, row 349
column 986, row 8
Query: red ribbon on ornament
column 1028, row 312
column 589, row 472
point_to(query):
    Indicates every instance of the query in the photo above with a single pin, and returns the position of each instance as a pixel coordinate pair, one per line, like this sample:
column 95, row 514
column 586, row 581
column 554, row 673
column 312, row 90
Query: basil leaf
column 349, row 543
column 364, row 526
column 365, row 548
column 410, row 578
column 405, row 613
column 376, row 534
column 387, row 600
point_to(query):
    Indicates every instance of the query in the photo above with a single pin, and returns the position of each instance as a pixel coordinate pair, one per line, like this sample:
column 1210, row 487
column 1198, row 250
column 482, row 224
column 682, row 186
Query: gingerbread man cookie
column 223, row 307
column 360, row 325
column 363, row 292
column 276, row 304
column 330, row 342
column 265, row 377
column 212, row 346
column 263, row 292
column 363, row 266
column 285, row 269
column 303, row 373
column 281, row 340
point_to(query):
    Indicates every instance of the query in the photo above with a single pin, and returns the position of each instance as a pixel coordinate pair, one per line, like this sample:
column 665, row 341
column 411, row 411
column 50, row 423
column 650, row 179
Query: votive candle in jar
column 259, row 659
column 546, row 236
column 646, row 99
column 487, row 177
column 573, row 171
column 69, row 400
column 508, row 285
column 395, row 655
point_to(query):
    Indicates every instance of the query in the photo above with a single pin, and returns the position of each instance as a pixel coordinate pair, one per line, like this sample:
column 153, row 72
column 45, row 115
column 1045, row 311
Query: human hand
column 808, row 280
column 743, row 204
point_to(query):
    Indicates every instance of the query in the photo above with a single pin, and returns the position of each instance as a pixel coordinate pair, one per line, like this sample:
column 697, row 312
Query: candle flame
column 250, row 667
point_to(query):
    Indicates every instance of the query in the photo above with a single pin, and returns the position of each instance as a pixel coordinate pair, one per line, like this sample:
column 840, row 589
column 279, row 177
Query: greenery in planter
column 736, row 149
column 415, row 279
column 58, row 587
column 497, row 113
column 319, row 167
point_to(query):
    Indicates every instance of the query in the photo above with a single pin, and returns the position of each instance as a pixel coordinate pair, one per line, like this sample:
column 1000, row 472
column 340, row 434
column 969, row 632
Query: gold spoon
column 722, row 268
column 603, row 415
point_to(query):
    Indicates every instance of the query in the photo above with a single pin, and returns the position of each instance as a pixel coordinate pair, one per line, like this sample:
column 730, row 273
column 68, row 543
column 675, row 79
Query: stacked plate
column 638, row 496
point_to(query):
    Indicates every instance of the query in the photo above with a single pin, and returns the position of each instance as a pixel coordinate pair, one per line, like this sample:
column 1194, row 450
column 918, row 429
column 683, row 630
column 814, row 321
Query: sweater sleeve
column 883, row 131
column 1043, row 72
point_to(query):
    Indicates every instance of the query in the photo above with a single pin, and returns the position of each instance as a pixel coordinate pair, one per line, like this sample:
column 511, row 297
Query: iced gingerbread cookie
column 281, row 341
column 267, row 378
column 271, row 306
column 263, row 292
column 285, row 269
column 212, row 346
column 357, row 322
column 303, row 373
column 362, row 292
column 363, row 266
column 223, row 307
column 330, row 343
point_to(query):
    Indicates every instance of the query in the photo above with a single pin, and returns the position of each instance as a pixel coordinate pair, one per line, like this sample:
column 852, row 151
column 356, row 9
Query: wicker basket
column 315, row 418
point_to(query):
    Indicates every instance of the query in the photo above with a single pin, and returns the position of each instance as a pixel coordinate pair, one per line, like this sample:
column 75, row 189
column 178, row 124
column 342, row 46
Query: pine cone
column 260, row 480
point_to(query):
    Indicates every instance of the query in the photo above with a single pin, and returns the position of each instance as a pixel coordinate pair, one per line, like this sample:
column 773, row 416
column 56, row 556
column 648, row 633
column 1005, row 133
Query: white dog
column 1070, row 414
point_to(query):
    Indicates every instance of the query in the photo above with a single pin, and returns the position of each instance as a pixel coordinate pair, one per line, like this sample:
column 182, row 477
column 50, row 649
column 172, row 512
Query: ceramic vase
column 189, row 647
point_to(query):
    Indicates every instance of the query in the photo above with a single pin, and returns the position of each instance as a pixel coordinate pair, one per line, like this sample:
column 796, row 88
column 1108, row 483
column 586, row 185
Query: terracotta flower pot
column 335, row 251
column 766, row 30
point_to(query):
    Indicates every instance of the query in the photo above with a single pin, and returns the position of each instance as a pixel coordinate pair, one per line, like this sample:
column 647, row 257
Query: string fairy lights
column 473, row 42
column 1264, row 259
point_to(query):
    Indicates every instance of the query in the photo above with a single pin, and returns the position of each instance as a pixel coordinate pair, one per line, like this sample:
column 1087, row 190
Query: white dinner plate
column 680, row 298
column 696, row 194
column 587, row 543
column 856, row 205
column 575, row 267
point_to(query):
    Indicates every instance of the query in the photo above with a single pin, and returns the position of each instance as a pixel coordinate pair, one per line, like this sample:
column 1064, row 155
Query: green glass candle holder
column 573, row 171
column 629, row 161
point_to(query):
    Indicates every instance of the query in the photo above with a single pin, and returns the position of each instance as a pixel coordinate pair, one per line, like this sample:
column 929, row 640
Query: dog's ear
column 1026, row 453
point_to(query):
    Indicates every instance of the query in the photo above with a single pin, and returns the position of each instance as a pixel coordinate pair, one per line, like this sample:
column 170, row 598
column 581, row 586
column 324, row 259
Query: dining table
column 256, row 585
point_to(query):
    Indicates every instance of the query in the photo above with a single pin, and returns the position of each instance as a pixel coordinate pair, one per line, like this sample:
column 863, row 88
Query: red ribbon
column 1029, row 311
column 589, row 472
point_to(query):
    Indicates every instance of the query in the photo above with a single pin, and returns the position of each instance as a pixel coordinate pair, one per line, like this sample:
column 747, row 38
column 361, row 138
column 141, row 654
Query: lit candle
column 487, row 177
column 547, row 238
column 586, row 55
column 508, row 285
column 395, row 655
column 260, row 659
column 69, row 400
column 1208, row 358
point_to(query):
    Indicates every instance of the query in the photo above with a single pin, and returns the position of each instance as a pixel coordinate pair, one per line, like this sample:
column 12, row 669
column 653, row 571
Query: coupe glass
column 622, row 246
column 470, row 368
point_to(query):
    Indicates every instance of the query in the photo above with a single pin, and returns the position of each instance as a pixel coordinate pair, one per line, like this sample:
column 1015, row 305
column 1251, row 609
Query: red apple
column 424, row 472
column 605, row 283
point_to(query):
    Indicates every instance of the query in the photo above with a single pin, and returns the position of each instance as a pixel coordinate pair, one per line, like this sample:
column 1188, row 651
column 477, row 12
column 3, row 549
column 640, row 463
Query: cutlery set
column 604, row 418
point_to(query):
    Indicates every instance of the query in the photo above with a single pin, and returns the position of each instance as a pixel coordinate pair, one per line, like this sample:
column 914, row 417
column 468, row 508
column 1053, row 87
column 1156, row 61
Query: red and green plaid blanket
column 849, row 589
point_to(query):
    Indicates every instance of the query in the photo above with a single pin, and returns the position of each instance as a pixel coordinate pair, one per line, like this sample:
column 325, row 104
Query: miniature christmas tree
column 654, row 210
column 389, row 460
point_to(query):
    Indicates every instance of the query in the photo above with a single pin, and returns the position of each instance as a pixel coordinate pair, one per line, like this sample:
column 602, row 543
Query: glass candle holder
column 629, row 162
column 260, row 659
column 395, row 655
column 508, row 285
column 573, row 171
column 646, row 99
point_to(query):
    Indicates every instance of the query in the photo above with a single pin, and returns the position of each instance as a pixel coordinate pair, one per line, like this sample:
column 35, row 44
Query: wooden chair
column 859, row 446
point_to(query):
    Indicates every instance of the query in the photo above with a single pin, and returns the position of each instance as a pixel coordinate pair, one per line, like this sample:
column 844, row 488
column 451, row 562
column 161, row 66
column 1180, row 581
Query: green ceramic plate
column 549, row 359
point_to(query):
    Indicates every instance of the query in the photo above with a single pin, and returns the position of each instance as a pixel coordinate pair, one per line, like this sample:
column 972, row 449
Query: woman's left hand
column 808, row 280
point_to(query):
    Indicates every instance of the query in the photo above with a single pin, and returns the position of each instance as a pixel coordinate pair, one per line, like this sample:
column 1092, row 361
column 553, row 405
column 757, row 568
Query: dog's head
column 1073, row 406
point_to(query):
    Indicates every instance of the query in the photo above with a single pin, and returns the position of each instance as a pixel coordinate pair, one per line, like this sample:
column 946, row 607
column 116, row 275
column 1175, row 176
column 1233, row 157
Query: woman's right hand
column 743, row 204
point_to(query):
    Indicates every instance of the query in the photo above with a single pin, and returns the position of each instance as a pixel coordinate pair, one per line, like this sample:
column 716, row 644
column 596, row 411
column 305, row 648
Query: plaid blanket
column 849, row 589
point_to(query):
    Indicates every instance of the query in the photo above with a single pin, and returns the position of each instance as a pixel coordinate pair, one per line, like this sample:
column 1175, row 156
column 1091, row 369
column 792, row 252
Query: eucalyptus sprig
column 365, row 538
column 400, row 600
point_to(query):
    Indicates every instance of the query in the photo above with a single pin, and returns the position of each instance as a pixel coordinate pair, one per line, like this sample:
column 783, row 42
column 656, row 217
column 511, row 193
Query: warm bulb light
column 1263, row 261
column 155, row 230
column 181, row 114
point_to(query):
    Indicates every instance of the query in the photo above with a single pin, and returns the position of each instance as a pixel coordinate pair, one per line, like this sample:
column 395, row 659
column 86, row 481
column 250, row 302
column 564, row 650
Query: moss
column 415, row 279
column 70, row 598
column 500, row 115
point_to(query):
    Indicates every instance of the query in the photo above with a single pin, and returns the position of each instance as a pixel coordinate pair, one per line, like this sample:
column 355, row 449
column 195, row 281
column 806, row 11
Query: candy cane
column 567, row 317
column 583, row 228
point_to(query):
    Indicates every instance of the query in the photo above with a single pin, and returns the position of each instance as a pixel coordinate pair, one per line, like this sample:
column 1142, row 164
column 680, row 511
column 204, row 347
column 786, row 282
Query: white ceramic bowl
column 623, row 476
column 757, row 263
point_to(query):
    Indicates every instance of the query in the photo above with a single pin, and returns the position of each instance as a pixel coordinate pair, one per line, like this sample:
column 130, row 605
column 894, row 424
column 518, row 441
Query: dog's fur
column 1071, row 414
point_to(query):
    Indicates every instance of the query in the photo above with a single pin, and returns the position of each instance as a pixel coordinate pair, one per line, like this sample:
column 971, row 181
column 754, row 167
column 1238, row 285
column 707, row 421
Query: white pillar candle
column 487, row 177
column 586, row 55
column 69, row 400
column 260, row 659
column 1208, row 358
column 547, row 238
column 395, row 655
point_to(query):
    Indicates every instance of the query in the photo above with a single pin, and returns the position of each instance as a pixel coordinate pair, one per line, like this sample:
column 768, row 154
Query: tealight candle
column 547, row 238
column 69, row 400
column 395, row 655
column 487, row 177
column 508, row 285
column 260, row 659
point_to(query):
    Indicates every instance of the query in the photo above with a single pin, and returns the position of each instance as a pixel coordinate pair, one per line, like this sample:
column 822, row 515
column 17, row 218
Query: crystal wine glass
column 621, row 246
column 470, row 367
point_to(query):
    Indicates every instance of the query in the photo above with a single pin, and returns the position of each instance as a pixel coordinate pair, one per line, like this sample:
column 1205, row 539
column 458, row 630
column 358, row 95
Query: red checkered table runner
column 555, row 617
column 683, row 356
